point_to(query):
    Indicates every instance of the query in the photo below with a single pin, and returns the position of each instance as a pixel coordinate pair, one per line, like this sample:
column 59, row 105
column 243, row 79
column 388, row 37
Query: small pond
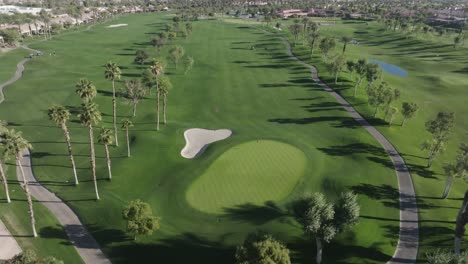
column 390, row 68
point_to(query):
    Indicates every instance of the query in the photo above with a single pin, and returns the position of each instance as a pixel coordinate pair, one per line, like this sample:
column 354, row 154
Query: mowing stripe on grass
column 254, row 172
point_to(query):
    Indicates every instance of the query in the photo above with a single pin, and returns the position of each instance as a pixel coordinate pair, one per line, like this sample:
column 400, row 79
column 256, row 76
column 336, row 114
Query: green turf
column 437, row 82
column 259, row 94
column 9, row 60
column 250, row 173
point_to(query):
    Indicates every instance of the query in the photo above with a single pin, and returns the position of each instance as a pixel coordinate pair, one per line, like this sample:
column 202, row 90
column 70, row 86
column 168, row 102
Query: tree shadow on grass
column 304, row 252
column 184, row 248
column 422, row 171
column 255, row 214
column 343, row 122
column 354, row 148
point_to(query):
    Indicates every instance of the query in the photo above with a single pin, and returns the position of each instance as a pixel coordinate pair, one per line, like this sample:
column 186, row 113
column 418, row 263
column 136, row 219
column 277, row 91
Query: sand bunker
column 197, row 139
column 117, row 25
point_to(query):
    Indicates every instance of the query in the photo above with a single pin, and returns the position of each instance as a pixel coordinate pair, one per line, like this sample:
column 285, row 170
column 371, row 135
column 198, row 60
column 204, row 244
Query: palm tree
column 134, row 91
column 89, row 116
column 2, row 172
column 86, row 90
column 345, row 40
column 126, row 124
column 106, row 138
column 14, row 144
column 157, row 69
column 113, row 73
column 164, row 87
column 60, row 115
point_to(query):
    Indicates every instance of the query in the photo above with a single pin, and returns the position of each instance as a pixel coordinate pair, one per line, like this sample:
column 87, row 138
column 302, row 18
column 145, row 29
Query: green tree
column 126, row 125
column 295, row 30
column 345, row 40
column 440, row 129
column 326, row 44
column 361, row 69
column 313, row 37
column 165, row 86
column 159, row 42
column 408, row 110
column 456, row 41
column 446, row 257
column 14, row 144
column 86, row 90
column 392, row 112
column 60, row 115
column 140, row 57
column 113, row 73
column 134, row 92
column 10, row 36
column 350, row 67
column 390, row 97
column 458, row 168
column 89, row 115
column 30, row 257
column 378, row 96
column 140, row 219
column 105, row 137
column 188, row 28
column 188, row 64
column 4, row 180
column 373, row 73
column 175, row 54
column 262, row 248
column 324, row 220
column 337, row 66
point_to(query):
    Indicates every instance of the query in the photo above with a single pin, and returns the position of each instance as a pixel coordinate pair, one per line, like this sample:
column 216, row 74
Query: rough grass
column 250, row 173
column 437, row 77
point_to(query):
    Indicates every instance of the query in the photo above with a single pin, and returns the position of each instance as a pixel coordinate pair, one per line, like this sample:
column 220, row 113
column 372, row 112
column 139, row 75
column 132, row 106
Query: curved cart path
column 84, row 243
column 407, row 248
column 10, row 247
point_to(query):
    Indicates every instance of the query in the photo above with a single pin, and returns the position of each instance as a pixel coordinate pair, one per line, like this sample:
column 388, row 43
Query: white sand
column 197, row 139
column 9, row 247
column 117, row 25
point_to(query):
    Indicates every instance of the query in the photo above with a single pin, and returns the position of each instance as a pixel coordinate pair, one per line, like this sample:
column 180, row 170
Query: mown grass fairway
column 436, row 81
column 250, row 173
column 259, row 94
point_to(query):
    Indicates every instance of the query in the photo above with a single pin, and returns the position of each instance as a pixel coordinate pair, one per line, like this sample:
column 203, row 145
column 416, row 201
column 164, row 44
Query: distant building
column 8, row 9
column 292, row 12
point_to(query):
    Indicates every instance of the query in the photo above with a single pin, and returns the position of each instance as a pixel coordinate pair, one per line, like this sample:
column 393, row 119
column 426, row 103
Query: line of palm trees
column 14, row 145
column 90, row 116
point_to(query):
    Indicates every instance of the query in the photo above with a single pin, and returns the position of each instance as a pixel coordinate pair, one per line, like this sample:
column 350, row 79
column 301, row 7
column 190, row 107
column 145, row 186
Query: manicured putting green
column 249, row 173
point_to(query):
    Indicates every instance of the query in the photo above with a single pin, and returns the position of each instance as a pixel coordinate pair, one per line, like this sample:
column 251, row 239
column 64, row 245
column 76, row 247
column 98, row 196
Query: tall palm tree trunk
column 164, row 108
column 28, row 196
column 93, row 161
column 134, row 108
column 70, row 153
column 128, row 142
column 114, row 105
column 5, row 183
column 448, row 187
column 108, row 161
column 157, row 109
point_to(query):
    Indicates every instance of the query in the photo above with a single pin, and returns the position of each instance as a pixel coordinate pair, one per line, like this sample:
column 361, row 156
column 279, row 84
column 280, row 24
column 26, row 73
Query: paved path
column 407, row 248
column 9, row 246
column 84, row 243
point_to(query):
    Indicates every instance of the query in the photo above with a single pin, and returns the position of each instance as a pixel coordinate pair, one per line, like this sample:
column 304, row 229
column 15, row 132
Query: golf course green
column 250, row 173
column 291, row 138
